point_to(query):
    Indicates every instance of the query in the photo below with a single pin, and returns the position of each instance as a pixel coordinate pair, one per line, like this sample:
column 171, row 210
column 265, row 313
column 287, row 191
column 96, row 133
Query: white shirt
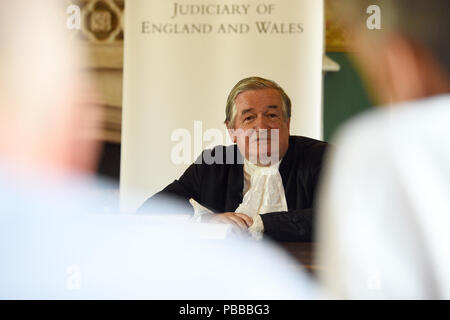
column 384, row 213
column 263, row 193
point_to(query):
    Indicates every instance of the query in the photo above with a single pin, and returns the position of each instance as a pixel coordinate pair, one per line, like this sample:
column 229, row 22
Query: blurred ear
column 404, row 64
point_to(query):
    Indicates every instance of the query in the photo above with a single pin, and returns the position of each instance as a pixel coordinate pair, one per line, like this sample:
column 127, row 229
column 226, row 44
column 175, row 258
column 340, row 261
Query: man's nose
column 260, row 123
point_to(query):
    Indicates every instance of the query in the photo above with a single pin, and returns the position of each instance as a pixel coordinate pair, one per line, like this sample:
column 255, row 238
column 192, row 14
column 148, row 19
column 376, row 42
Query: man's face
column 259, row 121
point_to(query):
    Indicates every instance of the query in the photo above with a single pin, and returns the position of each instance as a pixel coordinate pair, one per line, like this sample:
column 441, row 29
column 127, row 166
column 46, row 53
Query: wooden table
column 302, row 252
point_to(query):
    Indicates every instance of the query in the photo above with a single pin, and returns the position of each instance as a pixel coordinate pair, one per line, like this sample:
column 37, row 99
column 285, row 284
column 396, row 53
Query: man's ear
column 403, row 68
column 231, row 132
column 414, row 72
column 289, row 124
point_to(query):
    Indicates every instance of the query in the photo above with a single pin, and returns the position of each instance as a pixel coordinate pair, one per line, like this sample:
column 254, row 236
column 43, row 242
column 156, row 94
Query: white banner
column 181, row 60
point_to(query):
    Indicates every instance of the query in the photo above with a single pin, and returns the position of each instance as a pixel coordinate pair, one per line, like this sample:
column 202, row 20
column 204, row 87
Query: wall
column 344, row 94
column 101, row 38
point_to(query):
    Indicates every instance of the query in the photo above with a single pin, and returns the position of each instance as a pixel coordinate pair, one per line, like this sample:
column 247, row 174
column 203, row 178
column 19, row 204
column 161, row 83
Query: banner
column 181, row 60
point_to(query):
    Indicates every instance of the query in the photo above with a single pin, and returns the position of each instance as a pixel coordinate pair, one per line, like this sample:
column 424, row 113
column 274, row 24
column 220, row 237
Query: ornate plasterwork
column 101, row 21
column 100, row 37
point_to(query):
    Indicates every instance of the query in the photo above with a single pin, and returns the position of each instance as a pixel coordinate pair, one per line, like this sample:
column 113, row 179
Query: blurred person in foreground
column 54, row 241
column 385, row 201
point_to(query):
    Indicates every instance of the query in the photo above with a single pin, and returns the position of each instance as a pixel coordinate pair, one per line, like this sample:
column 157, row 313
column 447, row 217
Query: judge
column 267, row 185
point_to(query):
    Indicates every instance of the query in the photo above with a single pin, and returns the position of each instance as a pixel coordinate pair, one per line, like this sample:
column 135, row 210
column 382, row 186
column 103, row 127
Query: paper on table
column 199, row 210
column 255, row 231
column 210, row 231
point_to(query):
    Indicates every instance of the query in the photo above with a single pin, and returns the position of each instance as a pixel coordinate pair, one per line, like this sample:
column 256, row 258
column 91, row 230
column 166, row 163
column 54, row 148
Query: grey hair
column 424, row 22
column 254, row 83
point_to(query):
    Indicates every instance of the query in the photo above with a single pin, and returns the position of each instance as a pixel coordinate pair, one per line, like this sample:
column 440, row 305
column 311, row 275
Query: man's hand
column 238, row 220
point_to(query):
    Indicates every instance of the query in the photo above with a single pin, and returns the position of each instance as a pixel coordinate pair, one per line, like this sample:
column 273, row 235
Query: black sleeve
column 175, row 197
column 295, row 225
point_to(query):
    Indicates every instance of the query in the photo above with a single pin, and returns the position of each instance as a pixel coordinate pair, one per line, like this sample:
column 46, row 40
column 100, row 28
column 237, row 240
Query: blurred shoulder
column 409, row 122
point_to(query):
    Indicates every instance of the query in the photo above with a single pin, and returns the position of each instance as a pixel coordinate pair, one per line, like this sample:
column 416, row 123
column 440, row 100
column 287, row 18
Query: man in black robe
column 265, row 183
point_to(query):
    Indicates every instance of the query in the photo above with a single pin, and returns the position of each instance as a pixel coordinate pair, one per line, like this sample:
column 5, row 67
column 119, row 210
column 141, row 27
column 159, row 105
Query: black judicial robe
column 219, row 187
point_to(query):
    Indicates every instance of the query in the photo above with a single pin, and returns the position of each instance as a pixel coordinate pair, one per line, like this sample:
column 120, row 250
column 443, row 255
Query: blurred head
column 409, row 57
column 258, row 116
column 48, row 120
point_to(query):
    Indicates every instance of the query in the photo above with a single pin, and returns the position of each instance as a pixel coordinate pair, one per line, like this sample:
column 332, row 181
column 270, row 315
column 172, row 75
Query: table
column 302, row 252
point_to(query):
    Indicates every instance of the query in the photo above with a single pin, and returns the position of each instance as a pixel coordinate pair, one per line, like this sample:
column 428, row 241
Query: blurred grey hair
column 424, row 22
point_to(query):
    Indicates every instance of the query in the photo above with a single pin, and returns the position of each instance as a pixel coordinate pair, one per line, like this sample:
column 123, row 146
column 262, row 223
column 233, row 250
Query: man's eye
column 248, row 118
column 273, row 115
